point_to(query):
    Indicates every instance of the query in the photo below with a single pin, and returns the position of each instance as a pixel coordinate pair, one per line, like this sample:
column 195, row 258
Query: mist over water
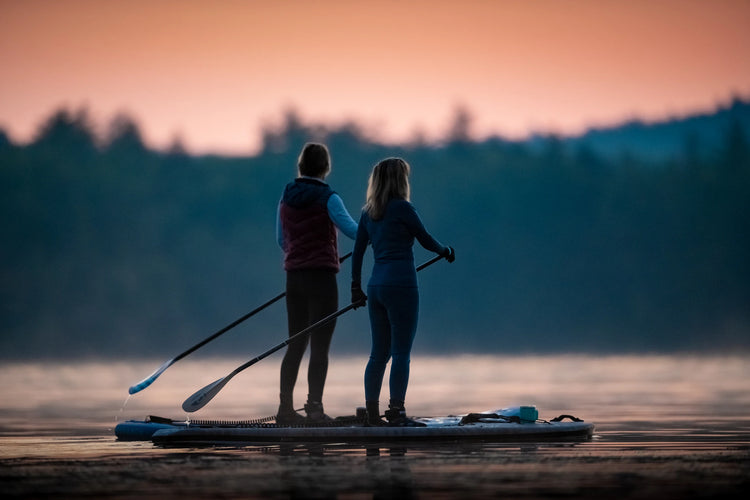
column 63, row 397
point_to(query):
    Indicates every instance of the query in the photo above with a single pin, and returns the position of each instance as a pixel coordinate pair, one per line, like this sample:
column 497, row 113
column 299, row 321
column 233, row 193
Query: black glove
column 450, row 254
column 359, row 298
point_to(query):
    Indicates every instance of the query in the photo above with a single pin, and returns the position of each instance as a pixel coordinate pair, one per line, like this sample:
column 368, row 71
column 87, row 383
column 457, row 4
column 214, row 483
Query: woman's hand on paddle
column 358, row 296
column 449, row 254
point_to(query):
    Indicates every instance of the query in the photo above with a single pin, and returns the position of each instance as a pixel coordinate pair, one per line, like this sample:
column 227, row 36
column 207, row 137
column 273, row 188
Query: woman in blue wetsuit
column 390, row 223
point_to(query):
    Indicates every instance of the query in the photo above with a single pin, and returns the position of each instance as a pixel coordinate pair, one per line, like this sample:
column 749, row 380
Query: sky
column 216, row 73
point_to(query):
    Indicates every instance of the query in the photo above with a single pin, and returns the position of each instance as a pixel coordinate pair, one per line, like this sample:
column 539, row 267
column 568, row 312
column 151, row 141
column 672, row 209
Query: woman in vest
column 308, row 215
column 390, row 223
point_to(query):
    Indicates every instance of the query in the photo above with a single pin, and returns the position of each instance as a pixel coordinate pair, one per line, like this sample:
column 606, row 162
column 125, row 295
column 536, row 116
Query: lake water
column 666, row 427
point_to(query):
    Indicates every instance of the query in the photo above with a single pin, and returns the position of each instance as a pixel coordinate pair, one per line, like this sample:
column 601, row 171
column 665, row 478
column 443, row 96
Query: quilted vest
column 310, row 239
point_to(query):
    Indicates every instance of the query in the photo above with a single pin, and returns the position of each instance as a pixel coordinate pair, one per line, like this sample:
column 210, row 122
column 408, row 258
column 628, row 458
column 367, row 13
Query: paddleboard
column 509, row 424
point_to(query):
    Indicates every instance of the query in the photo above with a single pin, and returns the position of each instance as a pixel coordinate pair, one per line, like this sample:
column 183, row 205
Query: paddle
column 201, row 397
column 150, row 379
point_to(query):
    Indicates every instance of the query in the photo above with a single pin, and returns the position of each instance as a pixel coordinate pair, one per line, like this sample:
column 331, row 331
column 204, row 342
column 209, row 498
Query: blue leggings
column 393, row 322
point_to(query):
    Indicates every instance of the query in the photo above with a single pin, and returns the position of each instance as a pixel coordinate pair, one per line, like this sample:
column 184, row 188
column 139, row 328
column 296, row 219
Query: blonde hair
column 389, row 179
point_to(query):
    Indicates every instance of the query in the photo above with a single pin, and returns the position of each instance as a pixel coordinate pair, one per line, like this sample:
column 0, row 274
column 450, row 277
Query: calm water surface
column 666, row 427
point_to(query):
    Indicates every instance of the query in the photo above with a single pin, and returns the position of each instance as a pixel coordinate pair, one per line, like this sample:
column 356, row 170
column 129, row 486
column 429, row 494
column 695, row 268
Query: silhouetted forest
column 631, row 239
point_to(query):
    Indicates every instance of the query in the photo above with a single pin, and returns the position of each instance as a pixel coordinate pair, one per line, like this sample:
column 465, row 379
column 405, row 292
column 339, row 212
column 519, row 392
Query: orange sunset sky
column 215, row 72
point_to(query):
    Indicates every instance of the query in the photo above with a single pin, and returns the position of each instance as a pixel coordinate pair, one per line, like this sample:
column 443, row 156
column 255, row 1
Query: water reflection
column 458, row 449
column 589, row 469
column 395, row 479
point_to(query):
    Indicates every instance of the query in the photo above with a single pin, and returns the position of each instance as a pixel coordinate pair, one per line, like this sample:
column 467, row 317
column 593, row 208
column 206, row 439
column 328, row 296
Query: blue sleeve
column 279, row 229
column 340, row 216
column 414, row 223
column 360, row 245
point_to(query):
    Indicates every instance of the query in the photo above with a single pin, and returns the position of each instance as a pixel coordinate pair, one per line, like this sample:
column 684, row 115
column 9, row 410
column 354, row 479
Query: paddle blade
column 203, row 396
column 150, row 379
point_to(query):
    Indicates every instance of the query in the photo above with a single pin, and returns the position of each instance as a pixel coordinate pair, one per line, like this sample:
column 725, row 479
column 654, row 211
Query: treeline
column 112, row 249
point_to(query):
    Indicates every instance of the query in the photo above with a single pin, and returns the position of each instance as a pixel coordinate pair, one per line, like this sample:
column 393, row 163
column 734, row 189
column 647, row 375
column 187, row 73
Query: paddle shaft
column 151, row 378
column 201, row 398
column 240, row 320
column 294, row 337
column 429, row 262
column 312, row 327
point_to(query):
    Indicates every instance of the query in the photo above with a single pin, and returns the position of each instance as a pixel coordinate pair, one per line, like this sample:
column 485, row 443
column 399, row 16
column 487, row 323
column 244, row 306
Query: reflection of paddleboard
column 510, row 424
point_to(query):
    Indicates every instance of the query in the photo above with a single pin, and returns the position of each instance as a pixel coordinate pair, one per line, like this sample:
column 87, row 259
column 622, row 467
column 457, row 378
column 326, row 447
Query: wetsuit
column 393, row 297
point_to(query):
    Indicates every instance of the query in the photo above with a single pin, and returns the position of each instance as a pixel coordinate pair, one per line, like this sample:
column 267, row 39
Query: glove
column 359, row 298
column 449, row 254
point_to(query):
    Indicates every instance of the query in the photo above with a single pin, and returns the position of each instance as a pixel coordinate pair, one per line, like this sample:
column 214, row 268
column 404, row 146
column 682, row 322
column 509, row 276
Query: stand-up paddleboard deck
column 488, row 426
